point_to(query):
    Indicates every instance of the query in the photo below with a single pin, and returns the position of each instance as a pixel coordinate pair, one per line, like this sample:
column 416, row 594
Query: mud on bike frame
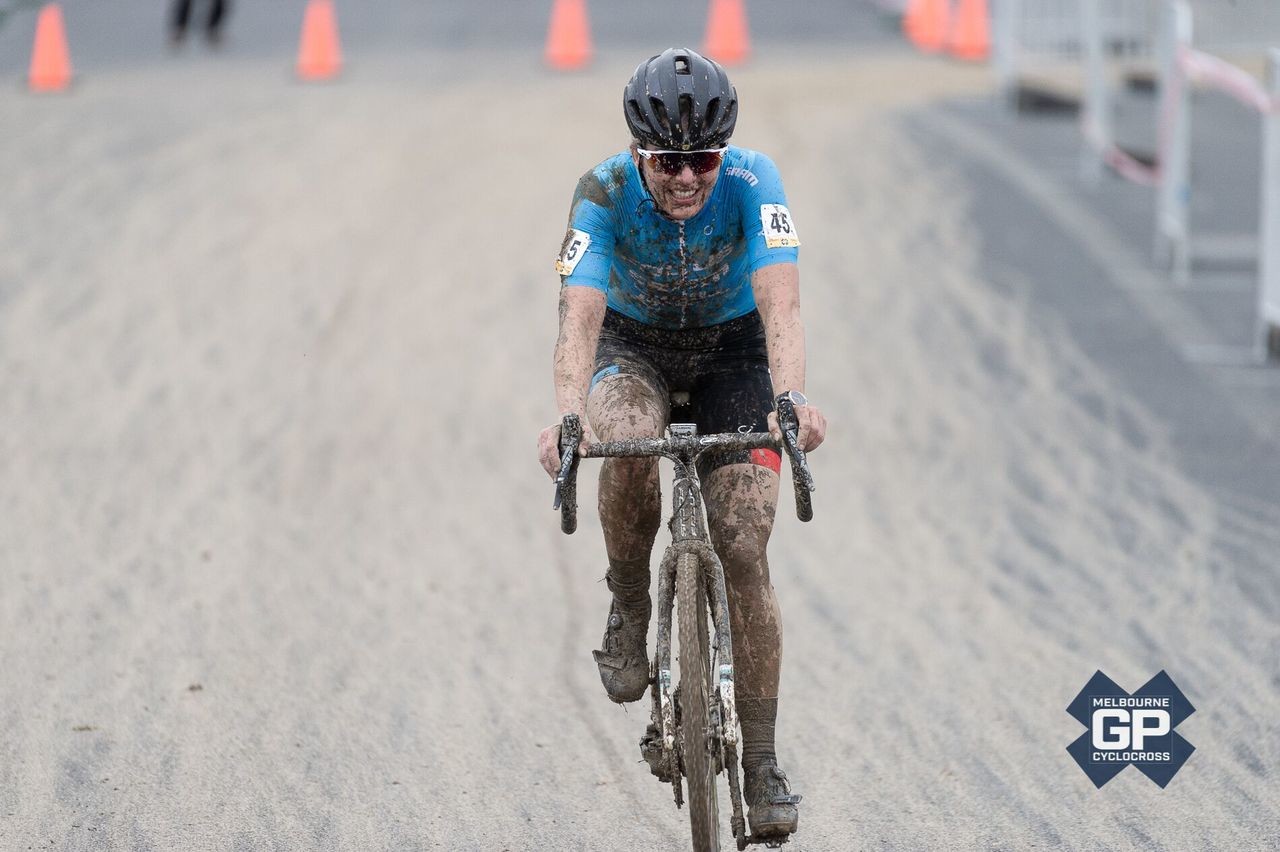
column 702, row 709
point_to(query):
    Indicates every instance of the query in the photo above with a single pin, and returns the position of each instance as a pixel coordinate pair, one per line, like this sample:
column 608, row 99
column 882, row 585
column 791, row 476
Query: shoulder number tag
column 779, row 230
column 574, row 247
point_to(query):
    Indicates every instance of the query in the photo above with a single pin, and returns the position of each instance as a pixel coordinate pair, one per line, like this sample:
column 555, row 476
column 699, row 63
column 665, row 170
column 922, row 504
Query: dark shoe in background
column 771, row 806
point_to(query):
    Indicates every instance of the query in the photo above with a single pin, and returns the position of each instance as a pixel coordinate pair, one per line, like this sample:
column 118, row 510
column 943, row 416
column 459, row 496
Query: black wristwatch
column 794, row 396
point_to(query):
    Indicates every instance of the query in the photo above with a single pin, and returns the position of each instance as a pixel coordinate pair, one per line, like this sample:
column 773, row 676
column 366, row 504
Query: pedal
column 653, row 753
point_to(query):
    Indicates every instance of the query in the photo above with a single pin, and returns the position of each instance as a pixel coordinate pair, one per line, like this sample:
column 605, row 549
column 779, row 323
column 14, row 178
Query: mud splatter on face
column 680, row 196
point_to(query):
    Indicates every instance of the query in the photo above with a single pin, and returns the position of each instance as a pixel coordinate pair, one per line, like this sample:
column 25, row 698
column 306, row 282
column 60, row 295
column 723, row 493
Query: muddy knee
column 624, row 407
column 742, row 544
column 741, row 499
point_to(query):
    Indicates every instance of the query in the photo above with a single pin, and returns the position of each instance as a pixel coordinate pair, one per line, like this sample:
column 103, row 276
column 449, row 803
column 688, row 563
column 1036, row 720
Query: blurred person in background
column 180, row 16
column 679, row 302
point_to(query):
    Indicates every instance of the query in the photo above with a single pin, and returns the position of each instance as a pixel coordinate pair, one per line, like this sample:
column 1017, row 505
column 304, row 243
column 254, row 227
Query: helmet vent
column 634, row 115
column 660, row 112
column 682, row 65
column 686, row 114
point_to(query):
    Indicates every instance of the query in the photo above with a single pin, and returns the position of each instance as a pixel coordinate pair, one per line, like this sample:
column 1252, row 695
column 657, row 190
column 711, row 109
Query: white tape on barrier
column 1227, row 78
column 1130, row 168
column 1119, row 160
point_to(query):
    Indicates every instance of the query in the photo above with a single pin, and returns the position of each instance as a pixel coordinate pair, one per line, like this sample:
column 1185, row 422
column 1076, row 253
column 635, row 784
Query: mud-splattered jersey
column 671, row 274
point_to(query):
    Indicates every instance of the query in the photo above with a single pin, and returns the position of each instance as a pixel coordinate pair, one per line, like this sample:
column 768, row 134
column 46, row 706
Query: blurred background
column 277, row 305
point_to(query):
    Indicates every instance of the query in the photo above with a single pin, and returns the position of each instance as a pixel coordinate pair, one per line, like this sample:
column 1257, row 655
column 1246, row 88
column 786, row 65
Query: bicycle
column 694, row 728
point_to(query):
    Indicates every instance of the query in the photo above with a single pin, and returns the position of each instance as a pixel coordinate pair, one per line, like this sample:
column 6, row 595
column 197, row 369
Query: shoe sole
column 776, row 828
column 618, row 698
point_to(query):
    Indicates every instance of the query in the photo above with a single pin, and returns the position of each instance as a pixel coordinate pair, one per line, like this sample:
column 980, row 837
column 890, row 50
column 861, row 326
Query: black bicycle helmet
column 680, row 101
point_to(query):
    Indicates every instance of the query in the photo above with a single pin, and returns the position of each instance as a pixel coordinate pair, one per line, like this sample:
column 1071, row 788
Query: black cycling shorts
column 723, row 368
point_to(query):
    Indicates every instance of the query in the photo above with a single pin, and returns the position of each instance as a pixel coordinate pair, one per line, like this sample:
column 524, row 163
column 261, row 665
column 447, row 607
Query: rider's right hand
column 549, row 446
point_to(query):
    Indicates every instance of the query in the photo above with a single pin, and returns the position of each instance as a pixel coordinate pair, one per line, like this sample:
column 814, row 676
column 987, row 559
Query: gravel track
column 278, row 563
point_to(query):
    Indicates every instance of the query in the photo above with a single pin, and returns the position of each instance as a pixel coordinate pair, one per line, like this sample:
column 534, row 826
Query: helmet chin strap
column 652, row 199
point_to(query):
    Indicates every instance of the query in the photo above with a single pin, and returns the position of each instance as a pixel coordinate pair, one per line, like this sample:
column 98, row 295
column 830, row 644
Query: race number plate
column 575, row 246
column 779, row 230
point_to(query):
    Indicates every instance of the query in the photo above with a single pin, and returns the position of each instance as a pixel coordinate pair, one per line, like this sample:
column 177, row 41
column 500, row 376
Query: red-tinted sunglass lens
column 669, row 164
column 700, row 162
column 704, row 161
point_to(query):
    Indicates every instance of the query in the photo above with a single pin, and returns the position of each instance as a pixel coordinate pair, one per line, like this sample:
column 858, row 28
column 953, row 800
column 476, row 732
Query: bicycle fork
column 689, row 535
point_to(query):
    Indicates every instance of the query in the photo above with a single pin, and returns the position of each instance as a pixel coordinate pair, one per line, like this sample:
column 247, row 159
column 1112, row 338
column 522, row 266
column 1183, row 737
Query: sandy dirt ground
column 279, row 568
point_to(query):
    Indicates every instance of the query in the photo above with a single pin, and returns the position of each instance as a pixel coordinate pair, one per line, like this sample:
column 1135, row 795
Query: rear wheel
column 696, row 735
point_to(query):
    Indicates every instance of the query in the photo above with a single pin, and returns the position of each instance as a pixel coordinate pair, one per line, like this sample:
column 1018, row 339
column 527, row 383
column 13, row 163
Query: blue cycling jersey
column 671, row 274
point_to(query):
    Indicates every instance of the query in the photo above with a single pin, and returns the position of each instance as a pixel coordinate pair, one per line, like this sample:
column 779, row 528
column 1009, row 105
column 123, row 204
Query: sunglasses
column 673, row 162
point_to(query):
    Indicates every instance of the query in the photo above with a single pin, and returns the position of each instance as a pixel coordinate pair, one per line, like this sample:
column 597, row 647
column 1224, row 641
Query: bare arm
column 777, row 292
column 581, row 316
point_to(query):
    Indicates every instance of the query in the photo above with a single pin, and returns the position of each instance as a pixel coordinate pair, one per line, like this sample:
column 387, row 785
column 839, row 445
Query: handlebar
column 682, row 449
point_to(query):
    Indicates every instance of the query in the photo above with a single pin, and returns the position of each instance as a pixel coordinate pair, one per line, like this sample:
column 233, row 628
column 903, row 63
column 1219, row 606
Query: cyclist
column 679, row 302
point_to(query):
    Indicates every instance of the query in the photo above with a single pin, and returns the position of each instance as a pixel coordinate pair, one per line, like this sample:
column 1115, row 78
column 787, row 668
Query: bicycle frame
column 689, row 536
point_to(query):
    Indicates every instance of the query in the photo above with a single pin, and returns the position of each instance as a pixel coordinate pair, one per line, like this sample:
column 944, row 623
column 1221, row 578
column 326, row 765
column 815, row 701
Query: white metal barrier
column 1183, row 66
column 1173, row 134
column 1099, row 23
column 1268, row 335
column 1093, row 36
column 1028, row 35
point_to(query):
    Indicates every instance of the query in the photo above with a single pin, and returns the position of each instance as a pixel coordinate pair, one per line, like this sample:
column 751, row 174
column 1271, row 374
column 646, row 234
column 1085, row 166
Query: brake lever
column 790, row 426
column 570, row 439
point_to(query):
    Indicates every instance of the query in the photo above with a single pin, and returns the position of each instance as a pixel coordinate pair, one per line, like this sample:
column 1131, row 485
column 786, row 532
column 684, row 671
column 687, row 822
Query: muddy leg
column 620, row 407
column 741, row 499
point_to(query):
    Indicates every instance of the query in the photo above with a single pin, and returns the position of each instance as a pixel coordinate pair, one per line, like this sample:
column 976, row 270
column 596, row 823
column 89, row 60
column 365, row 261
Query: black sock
column 758, row 717
column 629, row 581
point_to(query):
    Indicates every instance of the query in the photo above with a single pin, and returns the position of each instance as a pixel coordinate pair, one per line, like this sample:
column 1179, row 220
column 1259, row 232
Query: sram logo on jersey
column 779, row 230
column 571, row 250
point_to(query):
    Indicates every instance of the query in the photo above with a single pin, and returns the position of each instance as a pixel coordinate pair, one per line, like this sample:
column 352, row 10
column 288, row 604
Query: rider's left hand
column 813, row 426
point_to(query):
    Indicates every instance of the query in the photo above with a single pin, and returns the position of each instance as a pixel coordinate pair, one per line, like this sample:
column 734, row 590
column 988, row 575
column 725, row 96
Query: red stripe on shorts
column 767, row 458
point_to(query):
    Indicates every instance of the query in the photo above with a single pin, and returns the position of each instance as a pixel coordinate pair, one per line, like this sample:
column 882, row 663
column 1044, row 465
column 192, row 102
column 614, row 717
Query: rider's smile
column 679, row 196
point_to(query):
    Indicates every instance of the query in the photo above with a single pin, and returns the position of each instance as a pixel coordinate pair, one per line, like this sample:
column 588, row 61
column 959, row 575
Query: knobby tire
column 695, row 704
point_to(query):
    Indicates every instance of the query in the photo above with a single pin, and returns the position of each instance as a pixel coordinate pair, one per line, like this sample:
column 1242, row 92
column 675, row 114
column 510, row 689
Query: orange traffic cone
column 727, row 39
column 50, row 62
column 927, row 23
column 971, row 34
column 319, row 54
column 568, row 36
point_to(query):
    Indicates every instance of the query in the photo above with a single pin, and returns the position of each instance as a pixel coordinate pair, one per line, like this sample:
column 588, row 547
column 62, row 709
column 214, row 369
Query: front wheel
column 697, row 736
